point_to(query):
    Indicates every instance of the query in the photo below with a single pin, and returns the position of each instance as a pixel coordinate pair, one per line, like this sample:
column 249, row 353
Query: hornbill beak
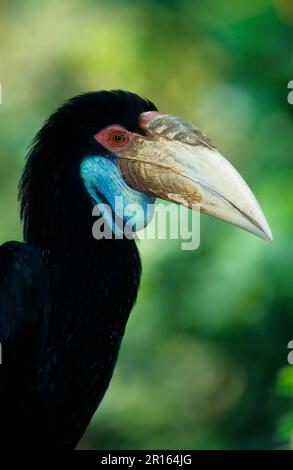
column 175, row 161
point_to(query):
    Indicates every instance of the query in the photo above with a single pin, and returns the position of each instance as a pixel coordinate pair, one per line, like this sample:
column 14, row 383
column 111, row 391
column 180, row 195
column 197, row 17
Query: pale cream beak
column 175, row 161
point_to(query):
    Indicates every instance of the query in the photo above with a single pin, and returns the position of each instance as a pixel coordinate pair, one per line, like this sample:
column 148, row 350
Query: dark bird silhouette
column 65, row 296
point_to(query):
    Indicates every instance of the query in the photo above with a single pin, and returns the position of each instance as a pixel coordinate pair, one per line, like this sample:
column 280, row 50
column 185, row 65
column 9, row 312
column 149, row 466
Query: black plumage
column 65, row 297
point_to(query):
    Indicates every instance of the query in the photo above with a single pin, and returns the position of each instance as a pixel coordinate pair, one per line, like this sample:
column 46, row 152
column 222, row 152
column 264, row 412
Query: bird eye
column 113, row 137
column 117, row 138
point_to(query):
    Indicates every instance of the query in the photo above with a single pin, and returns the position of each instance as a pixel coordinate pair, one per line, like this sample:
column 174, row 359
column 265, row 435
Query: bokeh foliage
column 204, row 359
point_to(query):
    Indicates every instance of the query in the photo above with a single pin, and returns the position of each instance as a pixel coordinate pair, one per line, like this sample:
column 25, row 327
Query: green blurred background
column 204, row 359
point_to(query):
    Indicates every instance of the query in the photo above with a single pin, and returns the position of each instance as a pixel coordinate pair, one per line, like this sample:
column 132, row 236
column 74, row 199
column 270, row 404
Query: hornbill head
column 122, row 146
column 166, row 157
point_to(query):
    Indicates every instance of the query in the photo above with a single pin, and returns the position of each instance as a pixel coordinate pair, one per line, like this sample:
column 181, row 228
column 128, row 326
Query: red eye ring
column 113, row 137
column 117, row 138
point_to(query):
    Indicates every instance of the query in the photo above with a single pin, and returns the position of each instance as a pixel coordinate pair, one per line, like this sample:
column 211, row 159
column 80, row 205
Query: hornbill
column 65, row 296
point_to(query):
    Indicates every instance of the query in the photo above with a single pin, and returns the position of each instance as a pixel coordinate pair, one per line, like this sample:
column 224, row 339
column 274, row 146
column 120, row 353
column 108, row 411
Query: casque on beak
column 175, row 161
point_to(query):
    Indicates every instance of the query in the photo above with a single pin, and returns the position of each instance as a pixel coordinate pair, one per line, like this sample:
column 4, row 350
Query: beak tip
column 269, row 236
column 265, row 232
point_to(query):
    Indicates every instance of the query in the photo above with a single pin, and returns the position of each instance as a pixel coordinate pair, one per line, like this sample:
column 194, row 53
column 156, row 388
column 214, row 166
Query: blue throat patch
column 105, row 185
